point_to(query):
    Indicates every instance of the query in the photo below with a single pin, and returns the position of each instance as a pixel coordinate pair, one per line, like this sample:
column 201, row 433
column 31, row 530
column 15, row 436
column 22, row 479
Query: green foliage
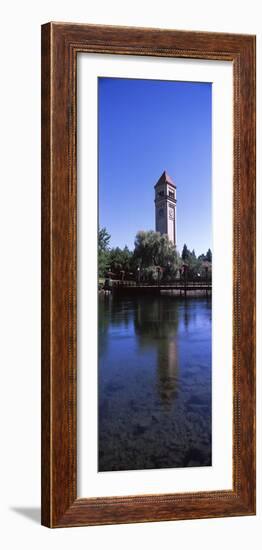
column 103, row 239
column 154, row 249
column 150, row 274
column 209, row 256
column 202, row 257
column 185, row 253
column 195, row 265
column 154, row 257
column 103, row 251
column 120, row 260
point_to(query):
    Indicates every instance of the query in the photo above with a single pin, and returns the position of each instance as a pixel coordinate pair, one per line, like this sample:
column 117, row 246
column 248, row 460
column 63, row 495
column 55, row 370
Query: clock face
column 171, row 213
column 160, row 212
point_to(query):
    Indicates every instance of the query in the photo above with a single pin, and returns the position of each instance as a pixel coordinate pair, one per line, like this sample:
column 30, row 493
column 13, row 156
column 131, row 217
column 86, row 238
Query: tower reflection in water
column 156, row 323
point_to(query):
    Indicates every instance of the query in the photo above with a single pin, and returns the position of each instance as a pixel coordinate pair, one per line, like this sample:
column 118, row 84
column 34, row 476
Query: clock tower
column 165, row 207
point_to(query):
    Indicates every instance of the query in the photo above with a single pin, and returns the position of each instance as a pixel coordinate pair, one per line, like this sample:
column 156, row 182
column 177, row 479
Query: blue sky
column 146, row 127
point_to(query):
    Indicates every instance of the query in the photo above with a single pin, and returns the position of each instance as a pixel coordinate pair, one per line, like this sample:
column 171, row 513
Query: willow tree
column 155, row 250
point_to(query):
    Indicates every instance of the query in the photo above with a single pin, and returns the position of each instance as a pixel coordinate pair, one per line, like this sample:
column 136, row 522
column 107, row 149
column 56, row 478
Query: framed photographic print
column 148, row 275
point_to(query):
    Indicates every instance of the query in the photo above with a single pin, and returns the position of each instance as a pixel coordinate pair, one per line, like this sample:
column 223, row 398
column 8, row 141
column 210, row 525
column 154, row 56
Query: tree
column 103, row 239
column 120, row 260
column 103, row 251
column 193, row 263
column 202, row 257
column 185, row 253
column 209, row 256
column 153, row 250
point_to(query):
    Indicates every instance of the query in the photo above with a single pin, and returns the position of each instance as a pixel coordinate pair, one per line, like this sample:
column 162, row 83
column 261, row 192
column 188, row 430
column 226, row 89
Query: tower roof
column 165, row 178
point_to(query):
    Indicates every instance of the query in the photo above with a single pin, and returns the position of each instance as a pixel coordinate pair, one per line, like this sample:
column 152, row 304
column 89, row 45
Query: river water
column 154, row 382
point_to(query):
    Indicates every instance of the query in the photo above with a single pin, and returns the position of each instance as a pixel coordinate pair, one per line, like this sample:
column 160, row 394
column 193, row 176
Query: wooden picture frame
column 61, row 43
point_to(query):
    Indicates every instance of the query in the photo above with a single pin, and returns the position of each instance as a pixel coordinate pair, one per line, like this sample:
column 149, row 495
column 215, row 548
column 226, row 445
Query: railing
column 178, row 283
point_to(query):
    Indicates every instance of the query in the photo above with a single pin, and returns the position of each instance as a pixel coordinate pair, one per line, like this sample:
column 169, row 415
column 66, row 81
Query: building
column 165, row 207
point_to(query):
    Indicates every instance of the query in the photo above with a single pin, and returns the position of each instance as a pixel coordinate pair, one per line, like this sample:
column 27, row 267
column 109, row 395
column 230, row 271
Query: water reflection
column 154, row 383
column 156, row 327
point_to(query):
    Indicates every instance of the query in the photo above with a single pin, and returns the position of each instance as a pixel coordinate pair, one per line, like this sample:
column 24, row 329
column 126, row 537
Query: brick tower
column 165, row 207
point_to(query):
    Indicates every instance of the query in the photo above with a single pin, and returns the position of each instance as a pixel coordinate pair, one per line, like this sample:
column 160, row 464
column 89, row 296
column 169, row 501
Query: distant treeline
column 154, row 256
